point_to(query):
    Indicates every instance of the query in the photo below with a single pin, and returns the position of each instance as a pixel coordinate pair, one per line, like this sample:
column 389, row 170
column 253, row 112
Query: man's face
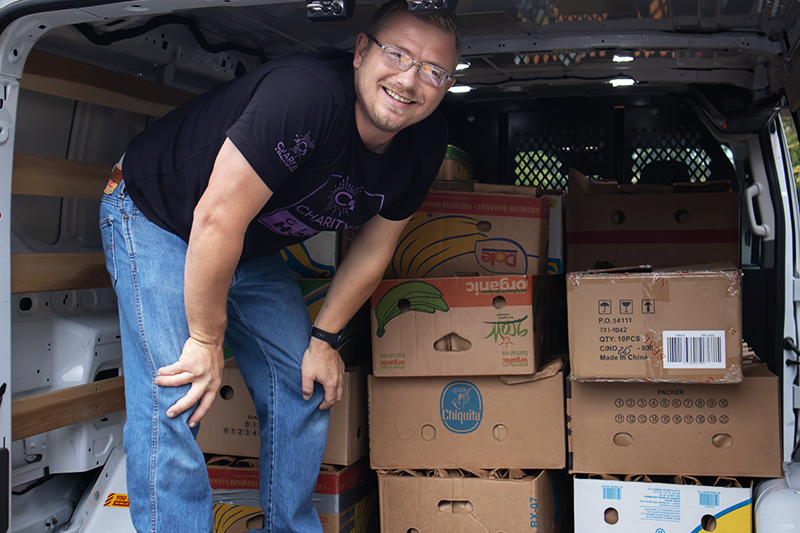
column 389, row 99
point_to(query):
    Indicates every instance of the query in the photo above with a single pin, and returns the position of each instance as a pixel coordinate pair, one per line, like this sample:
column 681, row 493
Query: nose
column 408, row 78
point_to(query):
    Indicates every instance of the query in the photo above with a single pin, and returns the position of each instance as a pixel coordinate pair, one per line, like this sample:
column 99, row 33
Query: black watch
column 334, row 339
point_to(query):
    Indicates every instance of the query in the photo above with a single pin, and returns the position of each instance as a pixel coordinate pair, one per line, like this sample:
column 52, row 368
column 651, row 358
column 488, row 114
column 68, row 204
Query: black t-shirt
column 293, row 120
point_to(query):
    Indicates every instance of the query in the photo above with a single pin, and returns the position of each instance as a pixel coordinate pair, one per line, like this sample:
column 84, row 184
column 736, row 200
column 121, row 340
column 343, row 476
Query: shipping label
column 694, row 349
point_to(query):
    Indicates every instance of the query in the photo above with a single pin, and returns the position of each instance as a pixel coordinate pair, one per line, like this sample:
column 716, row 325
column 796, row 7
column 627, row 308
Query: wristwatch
column 334, row 339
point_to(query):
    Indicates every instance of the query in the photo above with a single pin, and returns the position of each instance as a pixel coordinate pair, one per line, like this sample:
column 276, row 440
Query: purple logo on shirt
column 327, row 208
column 290, row 157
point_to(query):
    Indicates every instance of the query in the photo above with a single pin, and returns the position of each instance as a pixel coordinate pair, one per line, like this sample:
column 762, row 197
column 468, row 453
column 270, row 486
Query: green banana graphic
column 421, row 296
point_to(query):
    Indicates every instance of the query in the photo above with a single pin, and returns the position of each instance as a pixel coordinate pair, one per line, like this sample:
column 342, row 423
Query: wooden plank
column 50, row 176
column 53, row 410
column 53, row 272
column 59, row 76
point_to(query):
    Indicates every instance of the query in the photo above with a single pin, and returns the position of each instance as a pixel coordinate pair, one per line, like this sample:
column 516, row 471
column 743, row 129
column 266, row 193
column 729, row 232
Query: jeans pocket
column 107, row 234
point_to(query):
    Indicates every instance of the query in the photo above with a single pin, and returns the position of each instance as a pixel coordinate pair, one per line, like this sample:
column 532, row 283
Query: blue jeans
column 267, row 331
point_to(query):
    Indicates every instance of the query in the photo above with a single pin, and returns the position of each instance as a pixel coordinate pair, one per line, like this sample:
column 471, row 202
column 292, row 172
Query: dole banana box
column 458, row 326
column 454, row 233
column 605, row 505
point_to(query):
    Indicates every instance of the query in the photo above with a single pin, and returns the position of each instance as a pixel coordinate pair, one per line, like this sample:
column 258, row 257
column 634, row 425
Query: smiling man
column 194, row 218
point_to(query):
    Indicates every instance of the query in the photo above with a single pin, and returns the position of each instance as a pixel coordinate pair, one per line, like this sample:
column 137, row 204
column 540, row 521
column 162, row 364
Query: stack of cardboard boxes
column 466, row 422
column 346, row 493
column 658, row 390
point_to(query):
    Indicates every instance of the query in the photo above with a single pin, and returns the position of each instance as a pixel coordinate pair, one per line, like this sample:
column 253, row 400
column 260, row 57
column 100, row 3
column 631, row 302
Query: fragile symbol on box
column 626, row 307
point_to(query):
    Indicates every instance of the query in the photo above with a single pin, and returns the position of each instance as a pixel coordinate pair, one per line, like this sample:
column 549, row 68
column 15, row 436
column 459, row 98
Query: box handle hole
column 623, row 439
column 681, row 216
column 618, row 217
column 499, row 302
column 403, row 305
column 708, row 522
column 483, row 226
column 455, row 506
column 500, row 432
column 428, row 432
column 226, row 392
column 611, row 516
column 722, row 440
column 452, row 342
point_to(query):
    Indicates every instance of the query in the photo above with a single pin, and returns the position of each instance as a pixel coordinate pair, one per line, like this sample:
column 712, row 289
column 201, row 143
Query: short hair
column 443, row 19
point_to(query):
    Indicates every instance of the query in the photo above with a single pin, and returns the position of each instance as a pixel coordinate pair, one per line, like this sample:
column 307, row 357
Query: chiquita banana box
column 454, row 233
column 458, row 326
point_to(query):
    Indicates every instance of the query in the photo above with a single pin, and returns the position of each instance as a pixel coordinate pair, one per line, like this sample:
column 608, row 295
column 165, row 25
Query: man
column 211, row 193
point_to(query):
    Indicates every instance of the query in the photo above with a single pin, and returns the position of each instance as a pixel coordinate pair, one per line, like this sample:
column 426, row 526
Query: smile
column 397, row 97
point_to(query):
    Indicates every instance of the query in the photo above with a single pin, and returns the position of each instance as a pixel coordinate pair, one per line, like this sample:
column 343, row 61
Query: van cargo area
column 590, row 324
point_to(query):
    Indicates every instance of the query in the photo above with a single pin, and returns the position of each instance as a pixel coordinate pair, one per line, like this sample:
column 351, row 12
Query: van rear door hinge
column 796, row 289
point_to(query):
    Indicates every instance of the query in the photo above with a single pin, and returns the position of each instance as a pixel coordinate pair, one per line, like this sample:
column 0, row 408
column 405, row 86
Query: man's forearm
column 211, row 259
column 355, row 280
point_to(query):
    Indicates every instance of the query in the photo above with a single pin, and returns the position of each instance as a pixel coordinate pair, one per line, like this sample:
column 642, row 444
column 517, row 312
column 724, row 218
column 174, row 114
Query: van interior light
column 622, row 59
column 320, row 10
column 430, row 5
column 463, row 65
column 460, row 89
column 622, row 82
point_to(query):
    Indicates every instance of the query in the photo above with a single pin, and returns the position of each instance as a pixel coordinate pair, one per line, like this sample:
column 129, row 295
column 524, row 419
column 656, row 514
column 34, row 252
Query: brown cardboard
column 458, row 232
column 456, row 504
column 474, row 422
column 618, row 322
column 671, row 429
column 458, row 326
column 609, row 225
column 231, row 425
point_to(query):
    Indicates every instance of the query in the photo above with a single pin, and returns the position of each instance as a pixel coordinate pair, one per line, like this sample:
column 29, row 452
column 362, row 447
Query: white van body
column 731, row 65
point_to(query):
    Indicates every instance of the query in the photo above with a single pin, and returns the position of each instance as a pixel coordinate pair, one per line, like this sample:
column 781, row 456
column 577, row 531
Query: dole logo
column 501, row 255
column 461, row 407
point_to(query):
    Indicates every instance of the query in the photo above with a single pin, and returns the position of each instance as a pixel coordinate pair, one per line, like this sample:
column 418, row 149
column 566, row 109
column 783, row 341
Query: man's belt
column 114, row 180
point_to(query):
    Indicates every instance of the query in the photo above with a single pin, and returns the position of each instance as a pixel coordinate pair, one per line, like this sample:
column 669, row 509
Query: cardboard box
column 345, row 498
column 458, row 326
column 476, row 422
column 607, row 505
column 231, row 425
column 557, row 238
column 523, row 501
column 679, row 326
column 673, row 429
column 473, row 232
column 316, row 257
column 457, row 165
column 654, row 225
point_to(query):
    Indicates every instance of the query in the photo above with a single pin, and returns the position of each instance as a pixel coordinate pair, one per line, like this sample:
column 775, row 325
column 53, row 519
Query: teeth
column 397, row 96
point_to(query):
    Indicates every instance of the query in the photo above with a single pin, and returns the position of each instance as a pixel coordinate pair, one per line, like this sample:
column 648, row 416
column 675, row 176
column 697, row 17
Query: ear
column 361, row 49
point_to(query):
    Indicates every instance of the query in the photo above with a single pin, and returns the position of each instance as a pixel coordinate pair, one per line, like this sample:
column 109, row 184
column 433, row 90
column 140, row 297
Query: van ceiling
column 515, row 47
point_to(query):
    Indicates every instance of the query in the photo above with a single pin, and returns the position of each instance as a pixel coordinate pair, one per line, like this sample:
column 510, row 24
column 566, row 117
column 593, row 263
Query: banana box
column 458, row 326
column 454, row 233
column 723, row 506
column 317, row 257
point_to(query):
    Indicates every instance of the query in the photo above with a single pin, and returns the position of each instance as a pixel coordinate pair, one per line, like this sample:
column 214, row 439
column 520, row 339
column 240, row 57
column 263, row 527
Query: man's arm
column 355, row 280
column 234, row 196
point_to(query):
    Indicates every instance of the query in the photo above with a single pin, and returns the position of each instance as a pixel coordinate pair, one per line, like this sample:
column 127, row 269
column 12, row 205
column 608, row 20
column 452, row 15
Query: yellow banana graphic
column 422, row 297
column 427, row 243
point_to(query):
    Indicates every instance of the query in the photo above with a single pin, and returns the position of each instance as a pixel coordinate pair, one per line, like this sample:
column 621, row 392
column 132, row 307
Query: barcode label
column 694, row 349
column 612, row 493
column 709, row 499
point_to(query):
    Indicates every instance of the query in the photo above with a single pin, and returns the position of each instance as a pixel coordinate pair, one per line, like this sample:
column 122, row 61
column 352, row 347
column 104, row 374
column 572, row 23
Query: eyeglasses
column 397, row 58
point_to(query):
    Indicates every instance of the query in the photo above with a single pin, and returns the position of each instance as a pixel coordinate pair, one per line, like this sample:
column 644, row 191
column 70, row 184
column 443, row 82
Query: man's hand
column 201, row 365
column 323, row 364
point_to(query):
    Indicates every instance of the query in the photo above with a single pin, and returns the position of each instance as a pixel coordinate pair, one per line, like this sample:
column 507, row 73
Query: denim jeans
column 267, row 331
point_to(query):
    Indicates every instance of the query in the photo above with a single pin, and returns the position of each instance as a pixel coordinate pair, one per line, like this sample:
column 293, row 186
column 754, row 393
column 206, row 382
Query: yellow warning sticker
column 116, row 500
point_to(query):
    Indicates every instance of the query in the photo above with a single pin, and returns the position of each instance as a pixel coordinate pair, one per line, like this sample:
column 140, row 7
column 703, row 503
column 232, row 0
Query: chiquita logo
column 461, row 406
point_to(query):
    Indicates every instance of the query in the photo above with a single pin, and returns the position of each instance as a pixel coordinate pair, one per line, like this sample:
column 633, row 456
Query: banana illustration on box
column 427, row 243
column 422, row 297
column 300, row 261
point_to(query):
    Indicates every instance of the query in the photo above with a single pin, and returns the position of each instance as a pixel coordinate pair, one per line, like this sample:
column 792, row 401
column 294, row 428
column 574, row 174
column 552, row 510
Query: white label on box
column 694, row 349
